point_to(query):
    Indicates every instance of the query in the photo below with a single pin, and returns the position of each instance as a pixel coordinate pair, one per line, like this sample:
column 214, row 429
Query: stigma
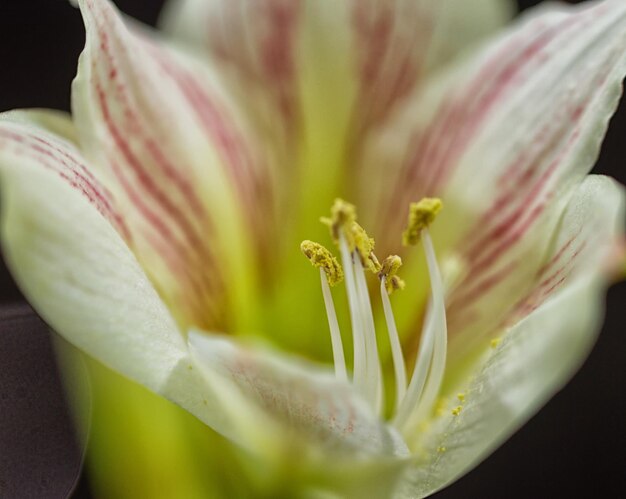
column 415, row 396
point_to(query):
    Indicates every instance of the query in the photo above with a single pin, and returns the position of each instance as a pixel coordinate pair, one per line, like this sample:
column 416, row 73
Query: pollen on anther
column 364, row 246
column 421, row 215
column 342, row 215
column 322, row 258
column 457, row 410
column 389, row 270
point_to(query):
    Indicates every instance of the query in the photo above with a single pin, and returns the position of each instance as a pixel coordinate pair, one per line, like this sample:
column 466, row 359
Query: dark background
column 575, row 447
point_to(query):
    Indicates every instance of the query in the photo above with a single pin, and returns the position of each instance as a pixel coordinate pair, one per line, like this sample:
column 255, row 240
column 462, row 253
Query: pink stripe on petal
column 465, row 111
column 516, row 130
column 147, row 112
column 257, row 41
column 249, row 172
column 55, row 156
column 390, row 58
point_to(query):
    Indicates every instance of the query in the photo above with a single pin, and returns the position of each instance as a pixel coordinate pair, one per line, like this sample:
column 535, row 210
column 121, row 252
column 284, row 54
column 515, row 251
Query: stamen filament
column 431, row 358
column 394, row 341
column 357, row 253
column 374, row 386
column 420, row 371
column 358, row 376
column 438, row 365
column 335, row 334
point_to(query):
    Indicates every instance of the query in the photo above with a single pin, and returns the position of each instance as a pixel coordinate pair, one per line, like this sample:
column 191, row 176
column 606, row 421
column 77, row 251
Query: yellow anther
column 441, row 449
column 364, row 246
column 388, row 270
column 457, row 410
column 461, row 397
column 421, row 215
column 323, row 259
column 342, row 215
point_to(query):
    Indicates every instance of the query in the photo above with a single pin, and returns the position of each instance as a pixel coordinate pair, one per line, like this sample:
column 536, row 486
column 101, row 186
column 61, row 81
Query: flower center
column 414, row 400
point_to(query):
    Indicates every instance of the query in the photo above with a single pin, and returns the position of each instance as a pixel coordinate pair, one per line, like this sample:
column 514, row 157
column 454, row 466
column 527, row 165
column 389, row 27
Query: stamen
column 364, row 247
column 390, row 282
column 335, row 335
column 342, row 215
column 356, row 249
column 431, row 358
column 389, row 270
column 323, row 259
column 330, row 273
column 364, row 258
column 421, row 215
column 357, row 255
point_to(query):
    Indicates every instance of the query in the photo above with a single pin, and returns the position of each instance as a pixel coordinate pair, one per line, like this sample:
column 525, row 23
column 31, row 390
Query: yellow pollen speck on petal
column 323, row 259
column 441, row 449
column 495, row 342
column 389, row 270
column 461, row 397
column 457, row 410
column 342, row 216
column 421, row 215
column 364, row 246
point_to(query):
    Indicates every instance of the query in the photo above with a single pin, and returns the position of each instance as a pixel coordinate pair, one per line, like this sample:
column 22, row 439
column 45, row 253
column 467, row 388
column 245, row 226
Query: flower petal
column 307, row 399
column 538, row 354
column 287, row 406
column 392, row 43
column 196, row 190
column 322, row 73
column 70, row 261
column 503, row 139
column 590, row 240
column 60, row 240
column 316, row 76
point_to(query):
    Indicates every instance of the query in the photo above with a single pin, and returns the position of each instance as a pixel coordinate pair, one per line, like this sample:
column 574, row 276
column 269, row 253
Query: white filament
column 358, row 377
column 413, row 402
column 394, row 341
column 420, row 371
column 373, row 381
column 335, row 334
column 433, row 340
column 438, row 364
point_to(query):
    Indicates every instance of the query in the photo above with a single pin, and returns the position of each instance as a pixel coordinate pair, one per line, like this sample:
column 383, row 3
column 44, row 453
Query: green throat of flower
column 414, row 400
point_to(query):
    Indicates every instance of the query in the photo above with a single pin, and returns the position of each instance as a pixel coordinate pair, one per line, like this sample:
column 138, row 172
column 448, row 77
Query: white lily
column 160, row 224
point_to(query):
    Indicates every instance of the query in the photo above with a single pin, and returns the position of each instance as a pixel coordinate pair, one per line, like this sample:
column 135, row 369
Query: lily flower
column 158, row 228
